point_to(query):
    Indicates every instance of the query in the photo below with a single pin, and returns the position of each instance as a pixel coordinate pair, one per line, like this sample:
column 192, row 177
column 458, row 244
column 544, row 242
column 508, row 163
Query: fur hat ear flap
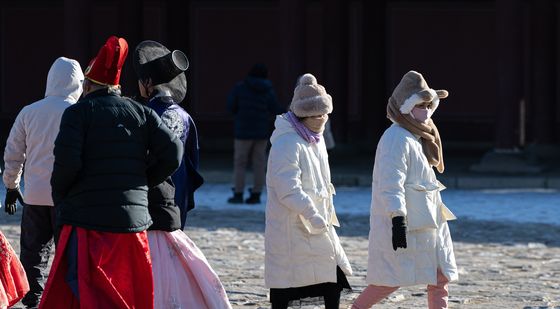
column 427, row 95
column 442, row 94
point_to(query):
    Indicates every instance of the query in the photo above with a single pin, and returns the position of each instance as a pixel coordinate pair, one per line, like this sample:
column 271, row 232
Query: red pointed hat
column 105, row 68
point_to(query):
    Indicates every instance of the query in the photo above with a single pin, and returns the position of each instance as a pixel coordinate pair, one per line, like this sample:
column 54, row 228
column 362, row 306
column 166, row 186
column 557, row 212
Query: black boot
column 237, row 198
column 254, row 198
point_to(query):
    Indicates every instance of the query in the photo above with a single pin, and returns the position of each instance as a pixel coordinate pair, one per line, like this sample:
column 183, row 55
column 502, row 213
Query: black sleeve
column 165, row 148
column 68, row 148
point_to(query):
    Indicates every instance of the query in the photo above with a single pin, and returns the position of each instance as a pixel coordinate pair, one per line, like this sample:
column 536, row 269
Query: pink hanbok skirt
column 182, row 276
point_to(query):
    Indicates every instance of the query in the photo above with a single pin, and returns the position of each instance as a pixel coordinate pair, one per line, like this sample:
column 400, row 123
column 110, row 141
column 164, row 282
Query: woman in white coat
column 409, row 240
column 303, row 255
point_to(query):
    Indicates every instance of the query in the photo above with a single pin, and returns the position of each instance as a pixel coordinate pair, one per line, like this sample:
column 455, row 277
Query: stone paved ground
column 502, row 265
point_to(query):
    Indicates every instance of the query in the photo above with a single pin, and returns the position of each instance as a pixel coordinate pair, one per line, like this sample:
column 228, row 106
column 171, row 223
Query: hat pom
column 307, row 79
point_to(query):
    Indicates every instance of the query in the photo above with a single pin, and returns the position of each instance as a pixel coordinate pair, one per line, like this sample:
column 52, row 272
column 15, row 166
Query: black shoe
column 237, row 198
column 30, row 300
column 254, row 198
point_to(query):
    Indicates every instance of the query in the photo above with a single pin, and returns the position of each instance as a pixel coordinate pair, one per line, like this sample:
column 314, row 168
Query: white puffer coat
column 298, row 178
column 404, row 184
column 31, row 139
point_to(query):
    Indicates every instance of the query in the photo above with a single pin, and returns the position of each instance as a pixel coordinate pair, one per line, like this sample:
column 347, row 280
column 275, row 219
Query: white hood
column 65, row 79
column 281, row 127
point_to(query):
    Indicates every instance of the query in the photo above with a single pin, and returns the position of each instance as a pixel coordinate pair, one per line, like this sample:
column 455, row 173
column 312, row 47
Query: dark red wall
column 358, row 49
column 454, row 47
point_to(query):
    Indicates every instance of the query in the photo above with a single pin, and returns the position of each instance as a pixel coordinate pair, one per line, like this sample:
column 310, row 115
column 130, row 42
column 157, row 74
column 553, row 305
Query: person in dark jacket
column 100, row 182
column 182, row 275
column 162, row 81
column 253, row 103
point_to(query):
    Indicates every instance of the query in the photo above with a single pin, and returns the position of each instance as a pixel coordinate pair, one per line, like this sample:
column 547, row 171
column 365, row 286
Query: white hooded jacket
column 298, row 181
column 31, row 139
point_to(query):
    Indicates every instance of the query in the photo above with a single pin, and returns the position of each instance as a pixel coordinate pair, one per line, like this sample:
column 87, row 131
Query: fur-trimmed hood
column 413, row 90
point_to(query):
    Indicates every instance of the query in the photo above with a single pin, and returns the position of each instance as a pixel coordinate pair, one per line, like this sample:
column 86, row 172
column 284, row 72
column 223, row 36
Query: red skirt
column 13, row 282
column 114, row 271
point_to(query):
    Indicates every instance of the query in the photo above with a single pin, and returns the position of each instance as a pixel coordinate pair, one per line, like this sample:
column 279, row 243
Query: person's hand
column 12, row 195
column 399, row 232
column 317, row 221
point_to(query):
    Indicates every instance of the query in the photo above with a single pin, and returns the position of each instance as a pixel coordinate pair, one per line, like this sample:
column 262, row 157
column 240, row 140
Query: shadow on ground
column 463, row 230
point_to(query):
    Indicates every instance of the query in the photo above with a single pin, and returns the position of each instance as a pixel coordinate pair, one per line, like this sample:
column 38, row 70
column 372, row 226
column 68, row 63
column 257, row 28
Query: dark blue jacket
column 253, row 103
column 186, row 178
column 101, row 171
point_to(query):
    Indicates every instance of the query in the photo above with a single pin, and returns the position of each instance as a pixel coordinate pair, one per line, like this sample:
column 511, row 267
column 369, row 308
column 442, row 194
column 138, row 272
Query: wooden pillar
column 543, row 71
column 509, row 19
column 77, row 31
column 506, row 156
column 335, row 18
column 292, row 13
column 374, row 88
column 130, row 27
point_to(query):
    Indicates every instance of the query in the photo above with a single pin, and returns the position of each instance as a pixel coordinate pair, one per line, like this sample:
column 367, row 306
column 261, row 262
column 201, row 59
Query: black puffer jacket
column 163, row 210
column 100, row 176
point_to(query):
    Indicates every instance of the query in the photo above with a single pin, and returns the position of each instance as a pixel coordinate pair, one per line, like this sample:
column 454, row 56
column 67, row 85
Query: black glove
column 11, row 196
column 399, row 233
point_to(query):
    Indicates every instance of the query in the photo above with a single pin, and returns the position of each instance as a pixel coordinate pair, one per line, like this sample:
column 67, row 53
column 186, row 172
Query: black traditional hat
column 164, row 67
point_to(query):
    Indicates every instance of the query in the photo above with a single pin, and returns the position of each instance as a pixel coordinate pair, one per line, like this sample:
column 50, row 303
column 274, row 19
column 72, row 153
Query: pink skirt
column 13, row 282
column 182, row 276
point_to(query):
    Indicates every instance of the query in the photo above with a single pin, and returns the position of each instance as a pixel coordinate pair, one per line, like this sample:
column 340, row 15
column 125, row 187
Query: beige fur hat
column 413, row 90
column 310, row 98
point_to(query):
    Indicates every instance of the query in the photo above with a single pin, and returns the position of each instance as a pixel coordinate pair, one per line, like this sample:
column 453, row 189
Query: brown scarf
column 428, row 132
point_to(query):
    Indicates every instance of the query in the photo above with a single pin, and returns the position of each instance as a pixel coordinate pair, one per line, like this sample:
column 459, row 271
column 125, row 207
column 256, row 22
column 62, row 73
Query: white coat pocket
column 420, row 206
column 446, row 213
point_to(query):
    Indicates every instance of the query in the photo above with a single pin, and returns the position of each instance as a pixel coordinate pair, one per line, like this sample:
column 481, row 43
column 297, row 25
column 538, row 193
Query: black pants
column 332, row 301
column 329, row 291
column 37, row 233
